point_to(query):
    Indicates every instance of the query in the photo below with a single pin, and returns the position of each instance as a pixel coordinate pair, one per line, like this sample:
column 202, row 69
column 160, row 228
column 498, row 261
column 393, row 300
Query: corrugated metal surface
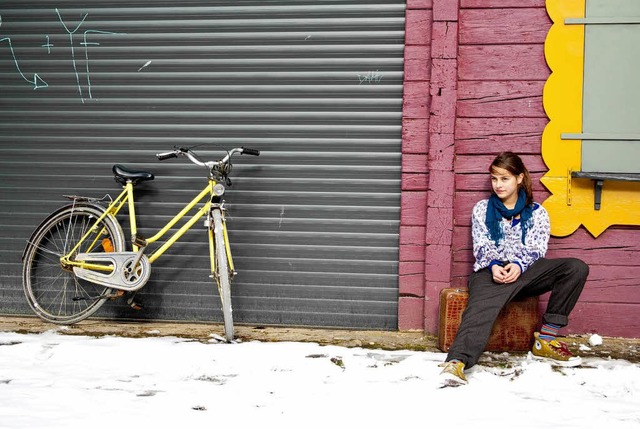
column 315, row 85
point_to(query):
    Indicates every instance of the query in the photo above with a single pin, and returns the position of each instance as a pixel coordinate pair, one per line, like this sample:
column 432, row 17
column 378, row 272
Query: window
column 592, row 98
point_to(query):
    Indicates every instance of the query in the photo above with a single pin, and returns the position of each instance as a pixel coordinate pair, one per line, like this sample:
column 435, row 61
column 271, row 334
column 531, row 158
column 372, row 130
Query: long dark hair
column 513, row 164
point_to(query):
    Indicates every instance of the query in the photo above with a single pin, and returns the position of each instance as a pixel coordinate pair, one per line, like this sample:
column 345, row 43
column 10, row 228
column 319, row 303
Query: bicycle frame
column 64, row 285
column 127, row 197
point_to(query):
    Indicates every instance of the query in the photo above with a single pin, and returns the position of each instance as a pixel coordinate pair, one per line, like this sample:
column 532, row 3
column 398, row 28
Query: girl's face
column 505, row 185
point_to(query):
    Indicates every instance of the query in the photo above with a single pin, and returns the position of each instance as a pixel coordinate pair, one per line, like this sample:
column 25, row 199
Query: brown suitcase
column 513, row 331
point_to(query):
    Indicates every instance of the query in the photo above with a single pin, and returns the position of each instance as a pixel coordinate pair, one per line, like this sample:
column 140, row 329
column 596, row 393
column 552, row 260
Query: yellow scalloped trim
column 571, row 202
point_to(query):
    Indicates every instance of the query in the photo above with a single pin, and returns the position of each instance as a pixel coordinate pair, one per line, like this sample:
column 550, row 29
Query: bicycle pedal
column 135, row 305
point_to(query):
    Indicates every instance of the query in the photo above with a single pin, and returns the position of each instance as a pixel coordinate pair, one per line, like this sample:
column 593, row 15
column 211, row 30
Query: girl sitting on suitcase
column 510, row 237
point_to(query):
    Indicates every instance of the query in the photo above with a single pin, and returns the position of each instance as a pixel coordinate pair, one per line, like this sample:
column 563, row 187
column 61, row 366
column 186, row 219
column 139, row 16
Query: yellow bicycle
column 76, row 259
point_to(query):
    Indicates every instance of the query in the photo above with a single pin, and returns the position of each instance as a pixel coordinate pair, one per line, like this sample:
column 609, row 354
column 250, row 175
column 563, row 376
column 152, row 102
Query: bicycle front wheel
column 222, row 274
column 53, row 291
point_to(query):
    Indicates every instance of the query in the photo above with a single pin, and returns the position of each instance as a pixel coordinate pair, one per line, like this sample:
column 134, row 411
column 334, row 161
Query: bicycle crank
column 124, row 275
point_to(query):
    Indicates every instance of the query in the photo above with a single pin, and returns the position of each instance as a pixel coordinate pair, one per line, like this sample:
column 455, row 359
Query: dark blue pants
column 563, row 277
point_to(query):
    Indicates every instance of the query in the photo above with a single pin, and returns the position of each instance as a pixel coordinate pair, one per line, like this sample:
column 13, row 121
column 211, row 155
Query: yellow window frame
column 572, row 201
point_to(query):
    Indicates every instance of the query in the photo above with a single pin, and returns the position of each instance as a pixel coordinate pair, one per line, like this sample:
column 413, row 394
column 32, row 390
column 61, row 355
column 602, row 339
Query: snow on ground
column 51, row 380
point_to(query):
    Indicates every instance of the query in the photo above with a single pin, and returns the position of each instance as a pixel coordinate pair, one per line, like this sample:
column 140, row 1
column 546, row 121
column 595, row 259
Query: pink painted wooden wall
column 474, row 76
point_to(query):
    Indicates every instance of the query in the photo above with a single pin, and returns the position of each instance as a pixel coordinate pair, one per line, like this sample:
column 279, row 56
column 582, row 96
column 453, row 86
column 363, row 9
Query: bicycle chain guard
column 122, row 277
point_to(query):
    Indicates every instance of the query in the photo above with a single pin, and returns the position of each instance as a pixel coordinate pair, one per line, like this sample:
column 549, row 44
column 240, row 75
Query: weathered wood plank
column 615, row 320
column 412, row 235
column 441, row 191
column 410, row 313
column 494, row 135
column 411, row 253
column 443, row 112
column 444, row 39
column 438, row 263
column 445, row 10
column 439, row 227
column 611, row 291
column 414, row 163
column 411, row 268
column 601, row 277
column 611, row 238
column 418, row 27
column 479, row 163
column 489, row 99
column 415, row 135
column 441, row 151
column 444, row 72
column 417, row 63
column 419, row 4
column 504, row 26
column 462, row 242
column 411, row 285
column 413, row 208
column 415, row 103
column 605, row 287
column 609, row 258
column 415, row 182
column 521, row 143
column 502, row 62
column 464, row 203
column 498, row 4
column 460, row 272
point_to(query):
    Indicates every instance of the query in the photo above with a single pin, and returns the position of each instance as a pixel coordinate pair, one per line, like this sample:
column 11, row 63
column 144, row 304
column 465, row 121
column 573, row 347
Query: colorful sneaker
column 452, row 374
column 554, row 351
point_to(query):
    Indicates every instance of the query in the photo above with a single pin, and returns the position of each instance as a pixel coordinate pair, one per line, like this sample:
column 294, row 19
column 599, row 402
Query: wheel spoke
column 52, row 290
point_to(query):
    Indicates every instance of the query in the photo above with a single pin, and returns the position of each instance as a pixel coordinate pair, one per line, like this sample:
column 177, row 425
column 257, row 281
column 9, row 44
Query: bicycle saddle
column 122, row 174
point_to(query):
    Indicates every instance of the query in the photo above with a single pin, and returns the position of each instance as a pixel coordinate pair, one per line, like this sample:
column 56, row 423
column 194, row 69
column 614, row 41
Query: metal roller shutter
column 315, row 85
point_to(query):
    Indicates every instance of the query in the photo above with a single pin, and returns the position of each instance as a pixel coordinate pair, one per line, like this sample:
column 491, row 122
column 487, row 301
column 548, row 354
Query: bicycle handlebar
column 209, row 164
column 248, row 151
column 167, row 155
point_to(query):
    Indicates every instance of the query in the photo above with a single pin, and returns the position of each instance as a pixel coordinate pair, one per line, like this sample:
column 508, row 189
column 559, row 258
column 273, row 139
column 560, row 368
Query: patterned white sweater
column 510, row 248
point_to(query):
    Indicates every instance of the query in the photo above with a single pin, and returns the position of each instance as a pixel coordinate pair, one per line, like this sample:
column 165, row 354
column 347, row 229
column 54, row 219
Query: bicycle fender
column 55, row 213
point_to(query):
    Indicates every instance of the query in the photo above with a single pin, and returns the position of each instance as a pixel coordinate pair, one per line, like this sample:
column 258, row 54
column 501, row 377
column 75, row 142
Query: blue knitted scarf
column 496, row 210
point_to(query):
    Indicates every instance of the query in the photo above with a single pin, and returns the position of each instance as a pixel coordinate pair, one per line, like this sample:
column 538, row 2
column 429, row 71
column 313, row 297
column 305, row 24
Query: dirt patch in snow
column 611, row 348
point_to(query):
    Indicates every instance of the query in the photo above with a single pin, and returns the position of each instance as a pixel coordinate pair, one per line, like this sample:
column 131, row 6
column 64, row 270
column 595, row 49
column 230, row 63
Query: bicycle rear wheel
column 222, row 274
column 54, row 292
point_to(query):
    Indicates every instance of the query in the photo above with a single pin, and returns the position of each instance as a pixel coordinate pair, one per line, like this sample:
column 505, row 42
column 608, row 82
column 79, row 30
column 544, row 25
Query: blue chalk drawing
column 86, row 54
column 85, row 43
column 36, row 81
column 48, row 45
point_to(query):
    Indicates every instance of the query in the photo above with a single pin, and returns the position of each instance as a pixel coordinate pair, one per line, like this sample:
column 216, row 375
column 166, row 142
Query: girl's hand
column 499, row 273
column 507, row 274
column 511, row 273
